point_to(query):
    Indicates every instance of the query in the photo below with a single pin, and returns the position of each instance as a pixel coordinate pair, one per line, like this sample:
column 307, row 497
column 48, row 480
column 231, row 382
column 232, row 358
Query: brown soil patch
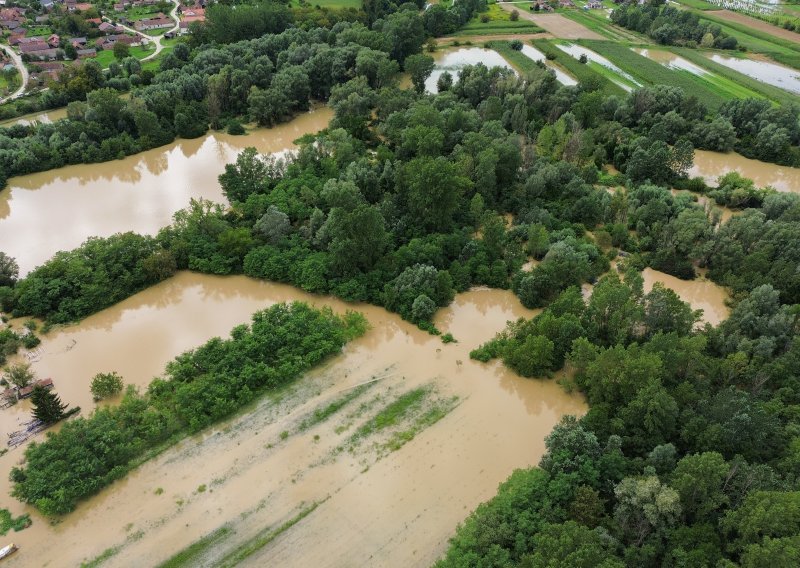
column 556, row 24
column 756, row 24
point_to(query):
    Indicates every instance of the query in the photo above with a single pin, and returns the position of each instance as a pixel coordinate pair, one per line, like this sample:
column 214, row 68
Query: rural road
column 23, row 71
column 157, row 39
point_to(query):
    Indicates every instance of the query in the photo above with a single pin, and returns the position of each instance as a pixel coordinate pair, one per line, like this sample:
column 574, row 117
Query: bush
column 514, row 16
column 235, row 127
column 515, row 44
column 106, row 385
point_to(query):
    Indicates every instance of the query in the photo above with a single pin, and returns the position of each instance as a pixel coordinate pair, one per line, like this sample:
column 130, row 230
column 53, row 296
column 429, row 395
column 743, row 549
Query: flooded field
column 700, row 293
column 614, row 73
column 44, row 116
column 365, row 499
column 765, row 71
column 455, row 59
column 138, row 193
column 669, row 59
column 711, row 165
column 533, row 53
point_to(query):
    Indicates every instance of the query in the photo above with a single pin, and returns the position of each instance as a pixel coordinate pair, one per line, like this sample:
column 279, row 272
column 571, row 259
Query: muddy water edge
column 711, row 165
column 45, row 212
column 379, row 502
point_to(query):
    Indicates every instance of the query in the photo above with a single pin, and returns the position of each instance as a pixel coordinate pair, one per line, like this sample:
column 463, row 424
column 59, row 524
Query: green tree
column 419, row 66
column 699, row 479
column 106, row 385
column 532, row 357
column 570, row 544
column 20, row 375
column 9, row 270
column 645, row 507
column 121, row 50
column 434, row 189
column 47, row 406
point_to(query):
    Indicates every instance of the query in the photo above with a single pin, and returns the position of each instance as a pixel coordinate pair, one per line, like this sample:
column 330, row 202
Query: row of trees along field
column 669, row 25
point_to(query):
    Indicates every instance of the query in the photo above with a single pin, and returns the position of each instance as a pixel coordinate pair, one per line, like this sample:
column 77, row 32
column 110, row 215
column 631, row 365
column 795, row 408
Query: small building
column 25, row 392
column 156, row 23
column 107, row 28
column 78, row 42
column 86, row 53
column 53, row 40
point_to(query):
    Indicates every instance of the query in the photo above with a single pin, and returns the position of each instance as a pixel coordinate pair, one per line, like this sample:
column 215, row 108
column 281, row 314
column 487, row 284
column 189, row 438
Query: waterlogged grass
column 402, row 419
column 195, row 551
column 754, row 87
column 779, row 49
column 712, row 90
column 324, row 412
column 517, row 59
column 585, row 74
column 262, row 539
column 102, row 557
column 8, row 522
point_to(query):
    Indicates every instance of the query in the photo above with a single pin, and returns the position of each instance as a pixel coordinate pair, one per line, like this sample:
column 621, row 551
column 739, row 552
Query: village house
column 17, row 37
column 109, row 41
column 53, row 40
column 158, row 22
column 107, row 28
column 594, row 5
column 85, row 53
column 36, row 48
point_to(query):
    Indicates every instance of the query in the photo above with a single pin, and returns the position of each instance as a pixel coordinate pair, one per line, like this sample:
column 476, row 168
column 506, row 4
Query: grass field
column 105, row 57
column 767, row 91
column 330, row 3
column 499, row 23
column 598, row 23
column 699, row 5
column 713, row 90
column 779, row 49
column 583, row 73
column 520, row 62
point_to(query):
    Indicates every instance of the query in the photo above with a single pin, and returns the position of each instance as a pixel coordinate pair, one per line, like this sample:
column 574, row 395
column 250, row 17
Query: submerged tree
column 47, row 406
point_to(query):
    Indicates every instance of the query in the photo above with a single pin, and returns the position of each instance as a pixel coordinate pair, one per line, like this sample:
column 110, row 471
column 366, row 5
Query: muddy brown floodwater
column 43, row 213
column 247, row 474
column 455, row 59
column 701, row 294
column 711, row 165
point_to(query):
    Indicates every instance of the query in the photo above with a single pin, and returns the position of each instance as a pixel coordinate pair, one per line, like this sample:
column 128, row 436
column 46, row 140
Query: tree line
column 198, row 388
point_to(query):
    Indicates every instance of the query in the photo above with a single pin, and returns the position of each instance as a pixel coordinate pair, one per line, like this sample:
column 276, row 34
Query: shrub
column 106, row 385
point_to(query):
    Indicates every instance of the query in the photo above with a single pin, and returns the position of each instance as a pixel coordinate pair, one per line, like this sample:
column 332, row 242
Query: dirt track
column 756, row 24
column 555, row 24
column 491, row 37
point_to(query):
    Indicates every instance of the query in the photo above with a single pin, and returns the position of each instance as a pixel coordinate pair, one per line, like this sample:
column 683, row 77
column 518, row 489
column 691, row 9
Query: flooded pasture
column 532, row 53
column 46, row 116
column 375, row 504
column 711, row 165
column 618, row 76
column 767, row 72
column 45, row 212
